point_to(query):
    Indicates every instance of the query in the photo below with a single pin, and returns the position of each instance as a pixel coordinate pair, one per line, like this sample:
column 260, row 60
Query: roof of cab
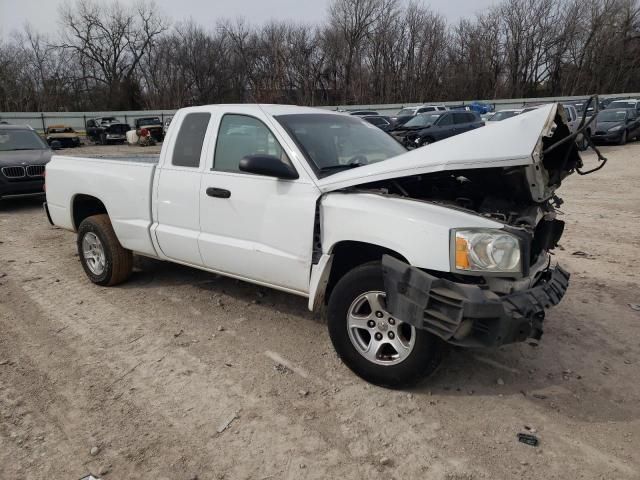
column 269, row 109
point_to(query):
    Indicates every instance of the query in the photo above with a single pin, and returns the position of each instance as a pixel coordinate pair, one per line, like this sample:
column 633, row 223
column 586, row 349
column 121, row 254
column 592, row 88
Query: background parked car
column 67, row 136
column 362, row 113
column 407, row 113
column 153, row 125
column 633, row 103
column 104, row 130
column 617, row 125
column 504, row 114
column 430, row 127
column 481, row 108
column 167, row 122
column 383, row 123
column 23, row 155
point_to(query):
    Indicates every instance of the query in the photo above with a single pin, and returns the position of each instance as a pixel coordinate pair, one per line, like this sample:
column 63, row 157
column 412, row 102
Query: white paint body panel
column 264, row 232
column 419, row 231
column 124, row 188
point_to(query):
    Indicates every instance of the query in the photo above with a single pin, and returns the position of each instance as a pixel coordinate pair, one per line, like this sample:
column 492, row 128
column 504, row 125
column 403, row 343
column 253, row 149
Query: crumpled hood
column 510, row 143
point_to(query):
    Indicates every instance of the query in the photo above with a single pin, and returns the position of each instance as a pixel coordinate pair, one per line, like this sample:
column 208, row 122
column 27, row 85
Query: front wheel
column 623, row 138
column 105, row 261
column 381, row 349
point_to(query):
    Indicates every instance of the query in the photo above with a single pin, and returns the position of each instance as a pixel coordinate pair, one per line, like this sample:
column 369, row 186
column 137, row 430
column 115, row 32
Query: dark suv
column 427, row 128
column 23, row 156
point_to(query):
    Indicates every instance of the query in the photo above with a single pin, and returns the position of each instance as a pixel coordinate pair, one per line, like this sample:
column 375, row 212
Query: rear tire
column 419, row 354
column 105, row 261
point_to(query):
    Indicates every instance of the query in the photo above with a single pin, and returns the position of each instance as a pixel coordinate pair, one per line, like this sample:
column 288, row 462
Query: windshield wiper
column 16, row 149
column 345, row 166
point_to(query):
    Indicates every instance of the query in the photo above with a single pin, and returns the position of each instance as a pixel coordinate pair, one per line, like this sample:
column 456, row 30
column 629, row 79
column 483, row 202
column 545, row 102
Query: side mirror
column 56, row 145
column 268, row 165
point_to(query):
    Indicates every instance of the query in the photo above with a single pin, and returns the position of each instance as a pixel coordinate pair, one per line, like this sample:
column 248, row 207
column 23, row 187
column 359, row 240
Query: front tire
column 623, row 138
column 105, row 261
column 377, row 347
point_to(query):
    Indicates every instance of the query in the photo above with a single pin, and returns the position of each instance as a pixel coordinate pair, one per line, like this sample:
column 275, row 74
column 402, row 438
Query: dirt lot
column 180, row 374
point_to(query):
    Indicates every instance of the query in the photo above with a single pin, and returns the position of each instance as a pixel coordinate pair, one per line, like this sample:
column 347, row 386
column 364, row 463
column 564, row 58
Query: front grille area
column 13, row 172
column 35, row 170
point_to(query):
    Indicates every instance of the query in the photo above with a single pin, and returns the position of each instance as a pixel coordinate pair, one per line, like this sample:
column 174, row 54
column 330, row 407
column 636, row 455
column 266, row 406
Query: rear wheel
column 105, row 261
column 376, row 346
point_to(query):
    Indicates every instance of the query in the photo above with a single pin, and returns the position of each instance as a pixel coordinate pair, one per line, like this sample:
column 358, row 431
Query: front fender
column 417, row 230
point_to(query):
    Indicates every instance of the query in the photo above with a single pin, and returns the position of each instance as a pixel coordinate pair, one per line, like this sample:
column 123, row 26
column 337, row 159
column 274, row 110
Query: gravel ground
column 181, row 374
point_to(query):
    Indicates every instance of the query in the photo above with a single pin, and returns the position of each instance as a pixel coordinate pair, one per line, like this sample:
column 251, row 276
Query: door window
column 240, row 136
column 445, row 120
column 188, row 147
column 460, row 118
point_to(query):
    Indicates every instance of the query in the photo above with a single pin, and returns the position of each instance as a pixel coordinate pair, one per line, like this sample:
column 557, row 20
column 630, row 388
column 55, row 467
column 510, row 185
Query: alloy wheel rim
column 93, row 253
column 375, row 334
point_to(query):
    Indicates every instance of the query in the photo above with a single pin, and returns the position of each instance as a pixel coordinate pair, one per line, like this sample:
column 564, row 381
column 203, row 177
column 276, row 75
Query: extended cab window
column 240, row 136
column 188, row 147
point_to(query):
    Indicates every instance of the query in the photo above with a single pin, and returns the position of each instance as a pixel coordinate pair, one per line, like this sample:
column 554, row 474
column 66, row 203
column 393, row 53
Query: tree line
column 110, row 56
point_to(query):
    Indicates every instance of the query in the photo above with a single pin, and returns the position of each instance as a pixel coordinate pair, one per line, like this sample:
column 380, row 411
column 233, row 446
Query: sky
column 42, row 14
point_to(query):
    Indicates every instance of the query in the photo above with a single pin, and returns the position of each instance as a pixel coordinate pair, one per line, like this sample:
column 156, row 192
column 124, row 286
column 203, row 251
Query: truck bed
column 122, row 183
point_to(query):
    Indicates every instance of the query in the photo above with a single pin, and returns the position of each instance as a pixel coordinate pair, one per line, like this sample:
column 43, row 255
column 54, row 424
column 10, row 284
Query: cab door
column 256, row 227
column 178, row 190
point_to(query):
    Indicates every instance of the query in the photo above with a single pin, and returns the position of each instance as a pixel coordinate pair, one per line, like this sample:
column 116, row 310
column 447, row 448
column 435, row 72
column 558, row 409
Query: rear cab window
column 188, row 147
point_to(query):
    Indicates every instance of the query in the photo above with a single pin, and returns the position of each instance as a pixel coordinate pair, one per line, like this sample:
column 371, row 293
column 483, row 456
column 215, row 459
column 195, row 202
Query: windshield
column 612, row 116
column 622, row 104
column 20, row 140
column 423, row 120
column 333, row 142
column 502, row 116
column 406, row 111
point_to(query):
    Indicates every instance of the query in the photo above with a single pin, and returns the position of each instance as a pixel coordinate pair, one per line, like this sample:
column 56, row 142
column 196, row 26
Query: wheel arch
column 83, row 206
column 342, row 257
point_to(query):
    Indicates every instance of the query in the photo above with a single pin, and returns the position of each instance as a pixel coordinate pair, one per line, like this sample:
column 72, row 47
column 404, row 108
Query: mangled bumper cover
column 468, row 315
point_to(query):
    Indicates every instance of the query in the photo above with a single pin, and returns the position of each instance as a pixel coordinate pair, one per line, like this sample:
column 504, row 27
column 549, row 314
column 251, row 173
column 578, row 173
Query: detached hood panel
column 511, row 143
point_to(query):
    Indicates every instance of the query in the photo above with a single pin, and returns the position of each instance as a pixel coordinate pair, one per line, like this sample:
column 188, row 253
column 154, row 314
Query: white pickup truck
column 408, row 251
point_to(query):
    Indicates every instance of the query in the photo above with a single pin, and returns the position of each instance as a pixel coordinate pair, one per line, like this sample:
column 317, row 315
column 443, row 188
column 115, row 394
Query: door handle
column 218, row 192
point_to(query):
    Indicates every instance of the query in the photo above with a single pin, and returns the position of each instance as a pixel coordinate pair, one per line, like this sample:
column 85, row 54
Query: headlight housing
column 615, row 129
column 485, row 251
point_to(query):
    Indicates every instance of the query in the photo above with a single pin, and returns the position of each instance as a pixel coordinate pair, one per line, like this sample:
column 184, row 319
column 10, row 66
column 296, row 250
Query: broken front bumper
column 468, row 315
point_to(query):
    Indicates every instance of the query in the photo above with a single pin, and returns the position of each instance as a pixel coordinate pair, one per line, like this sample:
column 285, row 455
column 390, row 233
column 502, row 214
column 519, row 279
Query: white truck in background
column 407, row 250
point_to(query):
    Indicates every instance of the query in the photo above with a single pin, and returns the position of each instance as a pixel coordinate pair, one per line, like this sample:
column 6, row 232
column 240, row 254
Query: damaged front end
column 469, row 315
column 476, row 307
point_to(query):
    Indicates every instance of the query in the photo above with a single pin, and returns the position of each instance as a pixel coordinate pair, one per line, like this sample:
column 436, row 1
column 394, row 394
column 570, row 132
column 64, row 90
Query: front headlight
column 485, row 251
column 615, row 129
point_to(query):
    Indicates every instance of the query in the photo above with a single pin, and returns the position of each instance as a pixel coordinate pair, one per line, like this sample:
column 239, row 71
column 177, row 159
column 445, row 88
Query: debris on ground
column 385, row 461
column 500, row 381
column 528, row 439
column 278, row 367
column 220, row 328
column 104, row 469
column 177, row 334
column 224, row 425
column 635, row 306
column 94, row 451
